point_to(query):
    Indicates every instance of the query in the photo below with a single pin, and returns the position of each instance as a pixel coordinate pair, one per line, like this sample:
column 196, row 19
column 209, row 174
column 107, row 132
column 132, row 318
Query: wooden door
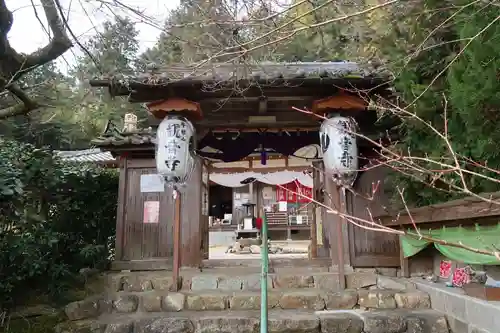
column 370, row 248
column 146, row 239
column 143, row 239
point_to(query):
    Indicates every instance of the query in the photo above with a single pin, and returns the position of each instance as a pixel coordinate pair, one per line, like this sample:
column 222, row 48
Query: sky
column 84, row 16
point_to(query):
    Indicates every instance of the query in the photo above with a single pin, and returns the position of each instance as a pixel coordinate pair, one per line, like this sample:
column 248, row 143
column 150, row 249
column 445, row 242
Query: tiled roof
column 86, row 155
column 259, row 72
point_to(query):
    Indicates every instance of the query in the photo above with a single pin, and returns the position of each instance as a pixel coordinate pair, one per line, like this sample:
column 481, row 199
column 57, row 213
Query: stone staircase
column 228, row 300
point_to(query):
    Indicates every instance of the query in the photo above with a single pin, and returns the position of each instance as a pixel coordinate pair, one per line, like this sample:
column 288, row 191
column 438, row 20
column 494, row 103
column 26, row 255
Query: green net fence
column 480, row 237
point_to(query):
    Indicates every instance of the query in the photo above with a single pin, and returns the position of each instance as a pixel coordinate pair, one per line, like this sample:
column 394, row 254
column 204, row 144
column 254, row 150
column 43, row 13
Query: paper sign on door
column 151, row 212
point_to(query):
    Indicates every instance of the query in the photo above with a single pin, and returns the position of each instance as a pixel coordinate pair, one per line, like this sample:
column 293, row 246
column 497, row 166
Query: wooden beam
column 261, row 170
column 461, row 209
column 242, row 124
column 258, row 98
column 267, row 130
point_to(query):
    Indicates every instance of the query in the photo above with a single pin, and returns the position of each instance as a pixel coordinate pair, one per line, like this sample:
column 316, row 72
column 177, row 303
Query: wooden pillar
column 120, row 214
column 405, row 267
column 314, row 226
column 339, row 239
column 335, row 228
column 191, row 235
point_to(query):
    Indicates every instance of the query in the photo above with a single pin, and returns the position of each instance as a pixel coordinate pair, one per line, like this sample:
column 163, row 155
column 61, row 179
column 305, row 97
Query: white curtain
column 271, row 178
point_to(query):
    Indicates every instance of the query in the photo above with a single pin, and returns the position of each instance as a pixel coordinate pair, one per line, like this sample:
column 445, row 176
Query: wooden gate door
column 151, row 238
column 370, row 248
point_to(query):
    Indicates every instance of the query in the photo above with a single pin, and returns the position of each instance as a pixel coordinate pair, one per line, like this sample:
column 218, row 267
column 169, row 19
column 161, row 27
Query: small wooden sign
column 151, row 212
column 150, row 183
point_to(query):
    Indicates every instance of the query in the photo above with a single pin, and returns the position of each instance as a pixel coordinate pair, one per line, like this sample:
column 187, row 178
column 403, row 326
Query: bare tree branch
column 13, row 65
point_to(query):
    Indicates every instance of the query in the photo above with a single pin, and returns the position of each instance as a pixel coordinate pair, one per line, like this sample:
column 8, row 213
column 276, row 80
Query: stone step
column 280, row 321
column 210, row 300
column 247, row 280
column 140, row 281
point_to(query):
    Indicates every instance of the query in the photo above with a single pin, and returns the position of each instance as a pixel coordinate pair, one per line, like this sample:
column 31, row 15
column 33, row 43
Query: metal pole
column 263, row 278
column 177, row 239
column 340, row 238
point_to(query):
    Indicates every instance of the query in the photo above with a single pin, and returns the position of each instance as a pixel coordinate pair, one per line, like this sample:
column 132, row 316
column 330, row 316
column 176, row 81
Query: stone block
column 425, row 322
column 170, row 325
column 377, row 299
column 365, row 270
column 174, row 302
column 230, row 283
column 385, row 282
column 115, row 282
column 186, row 283
column 127, row 327
column 296, row 323
column 82, row 326
column 204, row 282
column 151, row 302
column 85, row 309
column 163, row 283
column 252, row 282
column 341, row 322
column 360, row 280
column 327, row 281
column 226, row 323
column 206, row 302
column 413, row 300
column 306, row 270
column 251, row 301
column 293, row 281
column 136, row 283
column 304, row 299
column 387, row 271
column 346, row 299
column 126, row 303
column 383, row 322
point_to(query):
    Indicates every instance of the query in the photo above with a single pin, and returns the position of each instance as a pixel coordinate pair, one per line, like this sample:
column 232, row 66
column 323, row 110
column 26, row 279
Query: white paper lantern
column 340, row 151
column 174, row 160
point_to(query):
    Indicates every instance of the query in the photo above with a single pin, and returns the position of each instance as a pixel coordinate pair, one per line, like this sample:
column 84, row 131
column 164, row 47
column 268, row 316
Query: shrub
column 55, row 218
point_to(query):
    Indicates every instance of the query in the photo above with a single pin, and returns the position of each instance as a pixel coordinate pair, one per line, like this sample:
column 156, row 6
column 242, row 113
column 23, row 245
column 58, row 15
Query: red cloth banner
column 287, row 192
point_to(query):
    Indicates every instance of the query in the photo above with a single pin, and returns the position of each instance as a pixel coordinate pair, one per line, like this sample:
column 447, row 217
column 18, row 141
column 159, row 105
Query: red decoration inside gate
column 288, row 192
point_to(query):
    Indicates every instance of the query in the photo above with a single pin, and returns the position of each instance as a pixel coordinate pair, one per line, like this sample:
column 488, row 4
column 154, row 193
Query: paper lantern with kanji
column 174, row 158
column 340, row 151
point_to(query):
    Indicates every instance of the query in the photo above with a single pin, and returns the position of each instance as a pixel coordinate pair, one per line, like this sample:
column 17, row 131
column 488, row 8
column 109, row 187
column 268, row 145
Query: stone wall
column 465, row 314
column 316, row 291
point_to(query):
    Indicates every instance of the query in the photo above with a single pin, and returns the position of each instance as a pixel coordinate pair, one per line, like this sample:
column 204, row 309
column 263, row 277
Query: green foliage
column 468, row 91
column 40, row 324
column 56, row 218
